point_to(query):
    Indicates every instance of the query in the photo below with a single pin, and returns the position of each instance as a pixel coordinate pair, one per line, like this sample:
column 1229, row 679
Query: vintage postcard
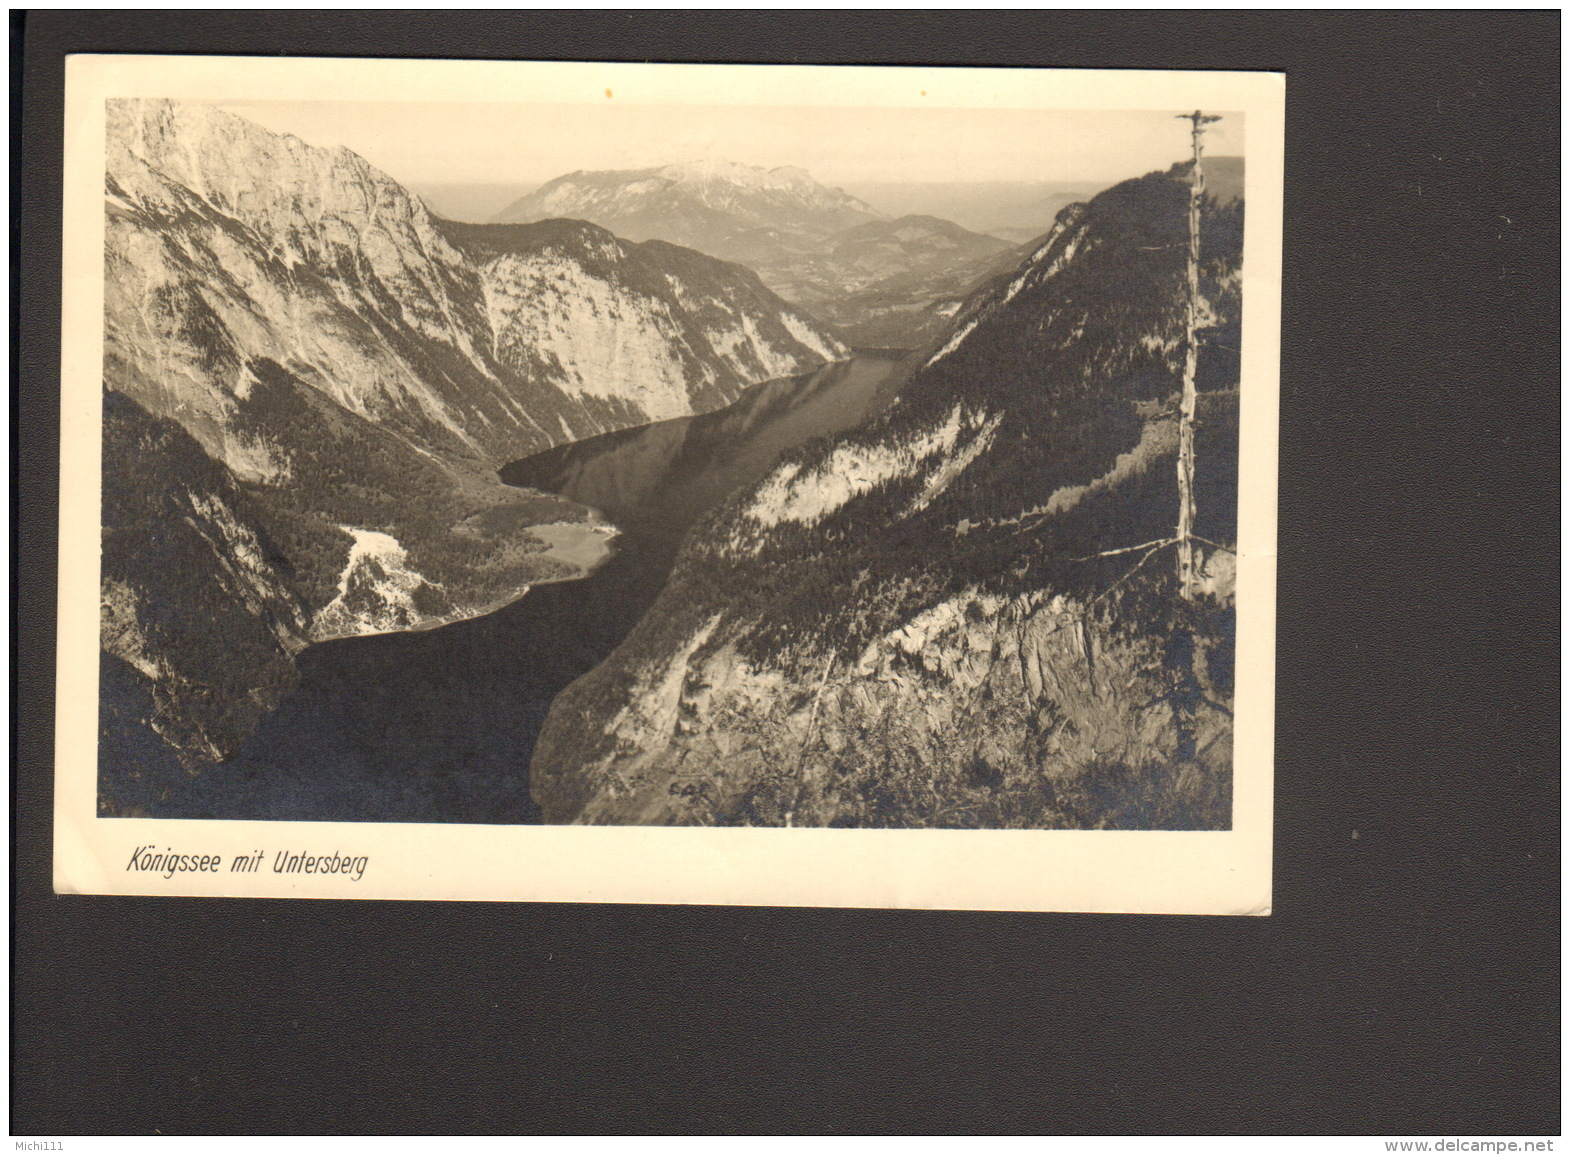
column 669, row 483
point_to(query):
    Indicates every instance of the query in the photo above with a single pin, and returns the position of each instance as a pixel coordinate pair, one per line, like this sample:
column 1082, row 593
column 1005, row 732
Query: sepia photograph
column 765, row 572
column 633, row 460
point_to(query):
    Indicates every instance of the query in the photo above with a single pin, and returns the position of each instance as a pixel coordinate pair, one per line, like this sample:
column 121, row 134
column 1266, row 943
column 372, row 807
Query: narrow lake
column 439, row 725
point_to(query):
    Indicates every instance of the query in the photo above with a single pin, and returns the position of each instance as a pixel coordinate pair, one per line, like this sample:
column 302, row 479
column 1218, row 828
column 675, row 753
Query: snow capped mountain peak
column 786, row 177
column 787, row 180
column 701, row 204
column 696, row 170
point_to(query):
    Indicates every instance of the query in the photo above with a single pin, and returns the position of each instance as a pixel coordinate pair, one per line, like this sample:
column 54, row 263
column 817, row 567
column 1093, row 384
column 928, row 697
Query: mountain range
column 926, row 589
column 310, row 382
column 820, row 248
column 704, row 205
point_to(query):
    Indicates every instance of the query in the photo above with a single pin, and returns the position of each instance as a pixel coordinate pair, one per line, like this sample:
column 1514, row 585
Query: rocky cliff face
column 321, row 378
column 952, row 615
column 630, row 333
column 228, row 244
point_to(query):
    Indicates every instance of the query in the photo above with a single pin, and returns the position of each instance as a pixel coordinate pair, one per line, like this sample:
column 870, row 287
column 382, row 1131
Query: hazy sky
column 428, row 143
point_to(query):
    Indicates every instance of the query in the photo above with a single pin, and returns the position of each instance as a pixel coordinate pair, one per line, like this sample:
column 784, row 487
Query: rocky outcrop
column 950, row 616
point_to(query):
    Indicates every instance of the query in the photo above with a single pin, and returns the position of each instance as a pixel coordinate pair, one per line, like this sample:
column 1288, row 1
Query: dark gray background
column 1408, row 982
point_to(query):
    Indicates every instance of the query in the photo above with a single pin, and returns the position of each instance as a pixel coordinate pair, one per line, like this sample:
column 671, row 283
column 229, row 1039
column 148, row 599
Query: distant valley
column 1015, row 211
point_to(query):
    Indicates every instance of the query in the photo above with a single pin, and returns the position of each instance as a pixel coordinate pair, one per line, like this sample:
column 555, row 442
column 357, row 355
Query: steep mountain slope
column 632, row 332
column 922, row 622
column 228, row 244
column 200, row 614
column 353, row 370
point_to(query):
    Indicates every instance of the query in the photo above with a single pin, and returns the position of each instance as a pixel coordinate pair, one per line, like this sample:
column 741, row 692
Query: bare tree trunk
column 1185, row 463
column 1190, row 667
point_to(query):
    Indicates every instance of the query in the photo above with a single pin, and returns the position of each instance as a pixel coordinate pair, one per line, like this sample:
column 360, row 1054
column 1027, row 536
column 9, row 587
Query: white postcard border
column 1197, row 872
